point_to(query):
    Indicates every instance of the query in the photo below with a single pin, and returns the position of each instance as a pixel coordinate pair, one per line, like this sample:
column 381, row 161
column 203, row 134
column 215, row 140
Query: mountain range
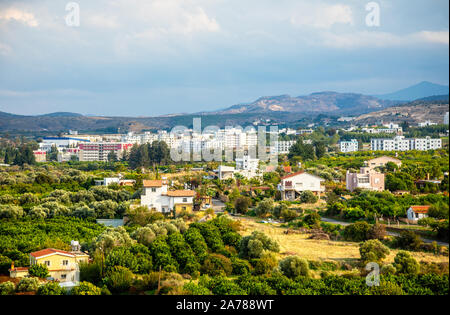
column 283, row 109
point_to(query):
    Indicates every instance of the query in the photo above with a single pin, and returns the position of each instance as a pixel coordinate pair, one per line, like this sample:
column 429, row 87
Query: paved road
column 426, row 240
column 218, row 206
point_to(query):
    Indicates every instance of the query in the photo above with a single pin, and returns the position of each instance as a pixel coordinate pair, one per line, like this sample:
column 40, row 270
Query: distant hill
column 414, row 112
column 323, row 102
column 419, row 91
column 434, row 98
column 61, row 114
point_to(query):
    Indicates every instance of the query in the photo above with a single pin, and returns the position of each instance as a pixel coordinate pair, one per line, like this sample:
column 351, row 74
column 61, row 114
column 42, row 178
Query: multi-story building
column 349, row 146
column 99, row 151
column 285, row 146
column 382, row 161
column 40, row 156
column 367, row 179
column 446, row 118
column 400, row 143
column 156, row 196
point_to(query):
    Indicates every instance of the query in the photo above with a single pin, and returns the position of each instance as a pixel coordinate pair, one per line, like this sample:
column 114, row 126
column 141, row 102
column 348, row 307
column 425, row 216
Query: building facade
column 291, row 186
column 366, row 179
column 400, row 143
column 156, row 196
column 349, row 146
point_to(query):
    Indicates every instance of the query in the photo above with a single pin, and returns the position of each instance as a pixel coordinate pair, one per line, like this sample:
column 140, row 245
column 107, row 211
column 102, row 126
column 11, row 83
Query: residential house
column 156, row 196
column 367, row 179
column 63, row 266
column 382, row 161
column 415, row 213
column 291, row 186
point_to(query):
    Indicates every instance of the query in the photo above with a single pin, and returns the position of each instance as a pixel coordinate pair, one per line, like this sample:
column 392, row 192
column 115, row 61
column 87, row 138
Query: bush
column 39, row 270
column 308, row 197
column 264, row 208
column 377, row 232
column 294, row 266
column 119, row 279
column 240, row 266
column 7, row 288
column 265, row 265
column 51, row 288
column 254, row 245
column 241, row 204
column 388, row 270
column 408, row 240
column 312, row 220
column 86, row 288
column 216, row 264
column 28, row 285
column 406, row 264
column 357, row 232
column 372, row 251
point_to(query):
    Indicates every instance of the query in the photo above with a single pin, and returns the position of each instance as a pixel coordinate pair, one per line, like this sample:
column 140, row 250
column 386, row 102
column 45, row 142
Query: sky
column 156, row 57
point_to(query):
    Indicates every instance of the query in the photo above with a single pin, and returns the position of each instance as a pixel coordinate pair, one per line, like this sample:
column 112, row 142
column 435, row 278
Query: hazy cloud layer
column 136, row 57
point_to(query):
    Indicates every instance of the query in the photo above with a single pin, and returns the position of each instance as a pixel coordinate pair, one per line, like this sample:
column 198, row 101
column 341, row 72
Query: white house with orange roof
column 156, row 196
column 415, row 213
column 291, row 186
column 63, row 266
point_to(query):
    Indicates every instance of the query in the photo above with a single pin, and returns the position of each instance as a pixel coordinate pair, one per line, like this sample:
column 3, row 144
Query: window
column 65, row 262
column 153, row 189
column 63, row 276
column 184, row 199
column 47, row 263
column 183, row 208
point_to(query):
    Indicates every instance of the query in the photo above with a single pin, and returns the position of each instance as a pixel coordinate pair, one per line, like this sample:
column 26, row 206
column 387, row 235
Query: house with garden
column 156, row 196
column 291, row 186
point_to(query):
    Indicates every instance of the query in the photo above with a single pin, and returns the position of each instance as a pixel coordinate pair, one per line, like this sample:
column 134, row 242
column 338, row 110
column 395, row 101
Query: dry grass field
column 320, row 250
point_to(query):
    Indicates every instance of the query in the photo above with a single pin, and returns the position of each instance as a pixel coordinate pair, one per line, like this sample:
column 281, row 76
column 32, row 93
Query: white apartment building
column 427, row 124
column 446, row 118
column 349, row 146
column 400, row 143
column 285, row 146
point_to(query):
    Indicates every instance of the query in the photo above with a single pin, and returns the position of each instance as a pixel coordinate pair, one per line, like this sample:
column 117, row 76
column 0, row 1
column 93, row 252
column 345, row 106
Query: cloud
column 322, row 16
column 20, row 16
column 434, row 37
column 5, row 49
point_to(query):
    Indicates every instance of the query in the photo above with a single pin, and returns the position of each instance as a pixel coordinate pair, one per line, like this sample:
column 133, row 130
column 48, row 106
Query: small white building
column 415, row 213
column 349, row 146
column 157, row 197
column 291, row 186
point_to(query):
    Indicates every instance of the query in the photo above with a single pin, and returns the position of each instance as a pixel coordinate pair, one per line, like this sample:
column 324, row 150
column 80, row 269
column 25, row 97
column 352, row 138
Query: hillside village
column 113, row 214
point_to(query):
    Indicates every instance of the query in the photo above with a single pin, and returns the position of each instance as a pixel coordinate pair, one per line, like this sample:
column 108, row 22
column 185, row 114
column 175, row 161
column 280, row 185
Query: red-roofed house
column 291, row 186
column 415, row 213
column 62, row 266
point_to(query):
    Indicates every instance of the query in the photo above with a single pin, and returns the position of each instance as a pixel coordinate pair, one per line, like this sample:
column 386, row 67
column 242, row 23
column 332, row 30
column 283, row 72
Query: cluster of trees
column 147, row 155
column 368, row 205
column 18, row 155
column 98, row 202
column 306, row 151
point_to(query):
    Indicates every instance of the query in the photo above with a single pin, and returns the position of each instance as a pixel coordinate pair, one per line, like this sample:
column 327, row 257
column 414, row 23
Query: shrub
column 265, row 265
column 216, row 264
column 313, row 219
column 7, row 288
column 308, row 197
column 408, row 240
column 294, row 266
column 86, row 288
column 191, row 288
column 241, row 204
column 264, row 208
column 388, row 270
column 252, row 246
column 240, row 266
column 372, row 251
column 51, row 288
column 28, row 285
column 357, row 232
column 406, row 264
column 39, row 270
column 377, row 231
column 119, row 279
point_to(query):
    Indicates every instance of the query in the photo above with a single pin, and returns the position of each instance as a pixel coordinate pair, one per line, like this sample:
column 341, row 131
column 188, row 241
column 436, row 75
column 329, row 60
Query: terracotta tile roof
column 260, row 188
column 420, row 209
column 49, row 251
column 292, row 175
column 181, row 193
column 153, row 183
